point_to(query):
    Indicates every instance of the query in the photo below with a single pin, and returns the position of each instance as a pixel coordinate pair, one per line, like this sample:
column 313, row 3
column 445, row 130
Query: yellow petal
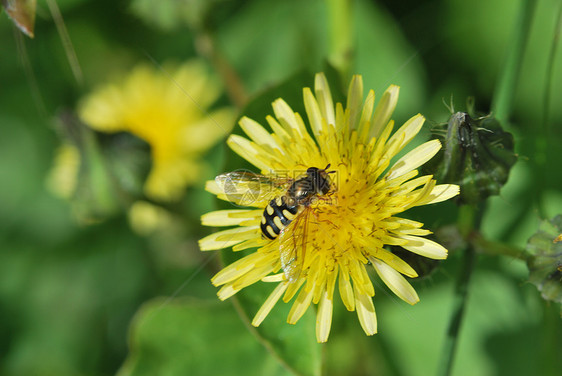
column 257, row 133
column 287, row 117
column 414, row 159
column 324, row 96
column 227, row 238
column 366, row 313
column 407, row 132
column 280, row 277
column 299, row 306
column 384, row 110
column 355, row 100
column 229, row 217
column 396, row 282
column 346, row 293
column 424, row 247
column 249, row 151
column 324, row 318
column 226, row 292
column 394, row 261
column 441, row 192
column 270, row 302
column 234, row 270
column 315, row 117
column 365, row 122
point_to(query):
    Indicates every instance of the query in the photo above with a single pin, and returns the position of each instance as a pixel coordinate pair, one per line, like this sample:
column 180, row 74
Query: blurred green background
column 79, row 299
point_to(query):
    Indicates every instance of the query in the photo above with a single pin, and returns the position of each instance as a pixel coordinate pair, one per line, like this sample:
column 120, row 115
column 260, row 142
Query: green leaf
column 385, row 57
column 545, row 263
column 167, row 15
column 193, row 337
column 173, row 14
column 268, row 41
column 294, row 345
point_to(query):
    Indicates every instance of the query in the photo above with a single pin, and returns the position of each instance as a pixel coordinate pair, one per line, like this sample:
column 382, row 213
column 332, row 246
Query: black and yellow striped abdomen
column 276, row 216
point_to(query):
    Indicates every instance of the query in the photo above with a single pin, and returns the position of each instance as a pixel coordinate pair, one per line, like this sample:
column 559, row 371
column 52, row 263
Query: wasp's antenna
column 327, row 167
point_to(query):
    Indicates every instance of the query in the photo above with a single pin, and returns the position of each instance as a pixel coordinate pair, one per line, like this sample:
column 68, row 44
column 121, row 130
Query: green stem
column 541, row 140
column 550, row 71
column 461, row 291
column 497, row 248
column 469, row 218
column 341, row 36
column 206, row 46
column 503, row 96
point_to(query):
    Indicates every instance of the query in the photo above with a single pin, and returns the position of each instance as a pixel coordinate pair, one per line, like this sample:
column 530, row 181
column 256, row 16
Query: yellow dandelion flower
column 330, row 241
column 167, row 109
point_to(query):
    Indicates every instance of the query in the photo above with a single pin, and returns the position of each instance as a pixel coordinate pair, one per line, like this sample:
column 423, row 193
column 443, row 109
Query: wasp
column 288, row 203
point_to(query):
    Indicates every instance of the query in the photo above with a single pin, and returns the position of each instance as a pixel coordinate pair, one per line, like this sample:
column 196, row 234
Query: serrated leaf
column 545, row 262
column 193, row 337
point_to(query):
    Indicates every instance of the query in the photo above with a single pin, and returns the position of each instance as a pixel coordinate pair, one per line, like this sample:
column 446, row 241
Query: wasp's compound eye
column 312, row 171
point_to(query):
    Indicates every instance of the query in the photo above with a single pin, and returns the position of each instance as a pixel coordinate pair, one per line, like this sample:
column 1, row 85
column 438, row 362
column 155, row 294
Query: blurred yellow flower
column 169, row 109
column 146, row 218
column 347, row 227
column 63, row 177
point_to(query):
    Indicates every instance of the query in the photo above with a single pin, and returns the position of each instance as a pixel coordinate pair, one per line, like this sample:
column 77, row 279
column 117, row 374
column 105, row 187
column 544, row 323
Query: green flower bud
column 99, row 174
column 545, row 259
column 477, row 155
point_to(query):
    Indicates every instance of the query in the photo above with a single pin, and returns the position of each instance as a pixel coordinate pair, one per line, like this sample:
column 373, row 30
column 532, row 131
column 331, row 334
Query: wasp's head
column 320, row 179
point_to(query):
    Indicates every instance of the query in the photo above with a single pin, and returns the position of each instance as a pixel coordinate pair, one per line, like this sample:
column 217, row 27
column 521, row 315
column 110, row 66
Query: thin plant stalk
column 503, row 97
column 541, row 141
column 469, row 218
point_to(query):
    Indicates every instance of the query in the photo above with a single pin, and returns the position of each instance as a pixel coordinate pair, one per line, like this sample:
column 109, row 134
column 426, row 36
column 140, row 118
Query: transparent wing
column 249, row 189
column 292, row 245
